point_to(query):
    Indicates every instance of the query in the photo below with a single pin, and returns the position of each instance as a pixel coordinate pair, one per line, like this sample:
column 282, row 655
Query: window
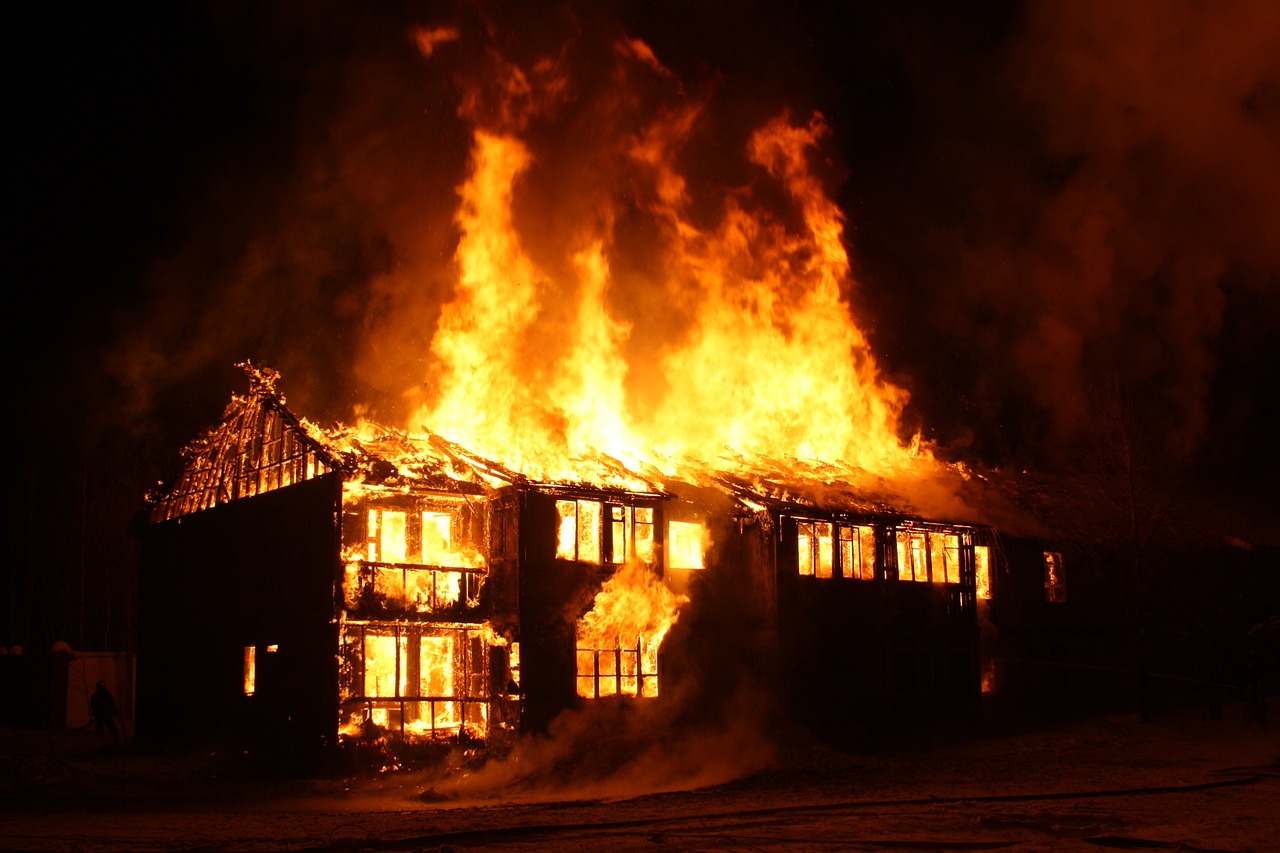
column 814, row 544
column 619, row 671
column 913, row 556
column 579, row 534
column 944, row 557
column 445, row 534
column 684, row 545
column 630, row 534
column 388, row 540
column 425, row 590
column 417, row 680
column 437, row 538
column 250, row 669
column 858, row 552
column 982, row 569
column 1055, row 583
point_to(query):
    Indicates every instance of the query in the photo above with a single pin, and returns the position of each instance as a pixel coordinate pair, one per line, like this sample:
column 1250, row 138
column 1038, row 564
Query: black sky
column 1047, row 203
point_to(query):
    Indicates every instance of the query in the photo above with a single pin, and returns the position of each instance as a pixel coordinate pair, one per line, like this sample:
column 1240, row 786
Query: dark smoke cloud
column 1099, row 203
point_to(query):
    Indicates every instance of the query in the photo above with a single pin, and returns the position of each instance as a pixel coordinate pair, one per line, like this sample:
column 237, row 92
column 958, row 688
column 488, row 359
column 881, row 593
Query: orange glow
column 735, row 337
column 982, row 568
column 685, row 545
column 618, row 640
column 250, row 670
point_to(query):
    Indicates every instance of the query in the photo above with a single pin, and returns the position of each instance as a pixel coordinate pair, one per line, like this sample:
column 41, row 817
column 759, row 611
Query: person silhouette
column 102, row 707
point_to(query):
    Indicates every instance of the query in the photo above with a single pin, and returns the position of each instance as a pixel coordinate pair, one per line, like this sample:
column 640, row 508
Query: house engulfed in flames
column 303, row 588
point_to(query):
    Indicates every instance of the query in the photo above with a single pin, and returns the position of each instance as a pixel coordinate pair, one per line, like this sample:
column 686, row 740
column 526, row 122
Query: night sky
column 1050, row 207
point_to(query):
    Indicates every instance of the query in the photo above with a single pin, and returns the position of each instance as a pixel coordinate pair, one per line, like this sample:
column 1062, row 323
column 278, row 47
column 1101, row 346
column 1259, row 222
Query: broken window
column 814, row 547
column 684, row 545
column 630, row 534
column 858, row 552
column 419, row 555
column 913, row 556
column 446, row 533
column 414, row 679
column 437, row 538
column 1055, row 585
column 425, row 590
column 982, row 569
column 630, row 670
column 944, row 557
column 579, row 533
column 598, row 533
column 388, row 541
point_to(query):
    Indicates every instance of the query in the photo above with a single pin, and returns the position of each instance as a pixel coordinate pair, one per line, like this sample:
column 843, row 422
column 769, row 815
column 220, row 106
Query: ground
column 1183, row 781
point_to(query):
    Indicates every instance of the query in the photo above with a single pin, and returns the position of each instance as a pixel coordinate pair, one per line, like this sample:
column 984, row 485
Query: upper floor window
column 929, row 555
column 858, row 552
column 913, row 555
column 825, row 549
column 599, row 533
column 814, row 548
column 579, row 534
column 631, row 534
column 435, row 537
column 388, row 536
column 684, row 545
column 944, row 557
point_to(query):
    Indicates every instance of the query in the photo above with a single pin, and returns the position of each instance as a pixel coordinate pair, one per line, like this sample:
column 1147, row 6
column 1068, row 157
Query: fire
column 728, row 337
column 619, row 638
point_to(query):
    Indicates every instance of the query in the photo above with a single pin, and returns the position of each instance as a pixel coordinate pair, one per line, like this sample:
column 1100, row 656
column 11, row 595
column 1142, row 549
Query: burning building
column 645, row 456
column 306, row 587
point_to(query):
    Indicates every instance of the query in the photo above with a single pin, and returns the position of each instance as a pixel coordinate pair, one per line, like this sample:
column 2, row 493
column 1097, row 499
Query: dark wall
column 1170, row 626
column 553, row 595
column 726, row 640
column 256, row 572
column 863, row 656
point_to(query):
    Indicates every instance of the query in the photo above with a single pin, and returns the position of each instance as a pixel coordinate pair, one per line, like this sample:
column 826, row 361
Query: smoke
column 615, row 751
column 1043, row 199
column 1107, row 203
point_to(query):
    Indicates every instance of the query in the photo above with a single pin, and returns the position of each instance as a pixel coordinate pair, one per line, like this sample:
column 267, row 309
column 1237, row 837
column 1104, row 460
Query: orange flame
column 733, row 338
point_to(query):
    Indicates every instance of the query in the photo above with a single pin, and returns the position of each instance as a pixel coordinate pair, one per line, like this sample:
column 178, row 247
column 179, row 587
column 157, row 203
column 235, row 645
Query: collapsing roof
column 261, row 445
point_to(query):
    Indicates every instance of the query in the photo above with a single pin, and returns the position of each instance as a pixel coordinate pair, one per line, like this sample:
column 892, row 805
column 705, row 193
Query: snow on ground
column 1181, row 782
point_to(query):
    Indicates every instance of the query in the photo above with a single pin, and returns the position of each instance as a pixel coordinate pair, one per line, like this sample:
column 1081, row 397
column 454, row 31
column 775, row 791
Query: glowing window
column 630, row 534
column 388, row 542
column 383, row 673
column 630, row 670
column 982, row 569
column 913, row 556
column 858, row 552
column 642, row 535
column 437, row 539
column 436, row 666
column 944, row 557
column 416, row 681
column 684, row 545
column 620, row 522
column 814, row 543
column 578, row 537
column 250, row 669
column 1055, row 584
